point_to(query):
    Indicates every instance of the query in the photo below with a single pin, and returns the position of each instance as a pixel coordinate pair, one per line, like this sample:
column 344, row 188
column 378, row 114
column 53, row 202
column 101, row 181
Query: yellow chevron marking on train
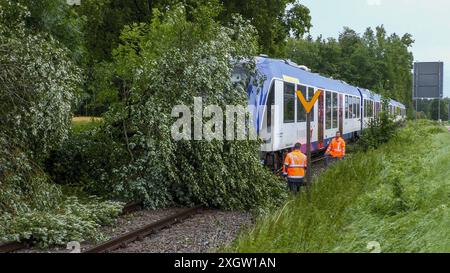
column 308, row 105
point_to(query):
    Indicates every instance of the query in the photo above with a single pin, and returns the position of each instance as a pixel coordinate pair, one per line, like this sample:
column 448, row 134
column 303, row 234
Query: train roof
column 398, row 104
column 367, row 94
column 281, row 69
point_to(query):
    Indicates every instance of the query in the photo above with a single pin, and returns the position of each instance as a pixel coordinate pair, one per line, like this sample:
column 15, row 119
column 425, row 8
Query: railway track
column 135, row 235
column 318, row 159
column 140, row 233
column 15, row 246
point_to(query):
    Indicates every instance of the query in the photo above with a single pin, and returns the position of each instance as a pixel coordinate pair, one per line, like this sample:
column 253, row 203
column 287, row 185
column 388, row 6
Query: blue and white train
column 278, row 113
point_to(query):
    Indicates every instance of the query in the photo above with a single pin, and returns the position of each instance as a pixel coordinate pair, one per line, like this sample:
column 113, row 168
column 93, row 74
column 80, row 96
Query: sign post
column 428, row 83
column 308, row 149
column 308, row 105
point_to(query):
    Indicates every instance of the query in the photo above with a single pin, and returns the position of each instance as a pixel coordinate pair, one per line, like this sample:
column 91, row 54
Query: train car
column 397, row 110
column 369, row 99
column 280, row 119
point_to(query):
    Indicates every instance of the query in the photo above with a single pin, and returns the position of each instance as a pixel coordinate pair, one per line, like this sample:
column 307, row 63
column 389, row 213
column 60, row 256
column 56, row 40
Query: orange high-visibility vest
column 337, row 148
column 295, row 164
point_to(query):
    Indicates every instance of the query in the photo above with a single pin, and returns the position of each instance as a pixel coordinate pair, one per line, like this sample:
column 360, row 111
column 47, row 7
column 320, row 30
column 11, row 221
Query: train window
column 270, row 103
column 355, row 108
column 335, row 110
column 311, row 92
column 367, row 108
column 370, row 108
column 351, row 110
column 289, row 103
column 346, row 107
column 328, row 110
column 301, row 113
column 358, row 107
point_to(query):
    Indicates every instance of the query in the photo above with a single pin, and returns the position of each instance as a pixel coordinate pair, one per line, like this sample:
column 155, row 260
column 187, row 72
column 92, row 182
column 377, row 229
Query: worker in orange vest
column 336, row 149
column 294, row 168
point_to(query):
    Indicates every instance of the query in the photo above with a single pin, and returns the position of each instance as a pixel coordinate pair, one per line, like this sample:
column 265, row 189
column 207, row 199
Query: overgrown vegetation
column 70, row 220
column 132, row 61
column 39, row 83
column 396, row 196
column 133, row 156
column 379, row 130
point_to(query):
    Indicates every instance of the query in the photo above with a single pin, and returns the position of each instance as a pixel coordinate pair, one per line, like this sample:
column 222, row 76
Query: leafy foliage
column 105, row 21
column 70, row 221
column 274, row 20
column 167, row 63
column 379, row 131
column 39, row 82
column 85, row 161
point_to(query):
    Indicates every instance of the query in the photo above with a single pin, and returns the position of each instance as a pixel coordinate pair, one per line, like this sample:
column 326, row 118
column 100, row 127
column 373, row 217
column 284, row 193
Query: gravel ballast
column 205, row 232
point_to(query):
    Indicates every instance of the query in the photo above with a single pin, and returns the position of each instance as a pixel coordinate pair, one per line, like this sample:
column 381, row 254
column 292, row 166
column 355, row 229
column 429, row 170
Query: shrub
column 70, row 221
column 86, row 161
column 39, row 83
column 379, row 131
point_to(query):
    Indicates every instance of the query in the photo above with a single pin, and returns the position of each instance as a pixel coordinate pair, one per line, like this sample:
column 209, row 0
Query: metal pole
column 416, row 110
column 439, row 109
column 308, row 150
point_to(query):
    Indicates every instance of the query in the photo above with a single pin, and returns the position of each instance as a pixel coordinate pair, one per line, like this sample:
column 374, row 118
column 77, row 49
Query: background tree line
column 429, row 109
column 374, row 59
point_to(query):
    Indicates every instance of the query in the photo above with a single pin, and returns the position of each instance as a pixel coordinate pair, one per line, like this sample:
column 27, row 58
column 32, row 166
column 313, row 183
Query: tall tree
column 275, row 20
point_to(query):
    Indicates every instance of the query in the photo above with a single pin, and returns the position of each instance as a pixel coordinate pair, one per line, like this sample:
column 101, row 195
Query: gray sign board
column 429, row 80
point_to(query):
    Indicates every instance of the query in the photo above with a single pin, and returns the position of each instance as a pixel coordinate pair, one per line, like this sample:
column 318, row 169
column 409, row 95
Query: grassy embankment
column 397, row 196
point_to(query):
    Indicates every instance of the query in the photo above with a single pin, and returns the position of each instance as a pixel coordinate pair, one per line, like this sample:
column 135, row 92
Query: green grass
column 82, row 124
column 398, row 196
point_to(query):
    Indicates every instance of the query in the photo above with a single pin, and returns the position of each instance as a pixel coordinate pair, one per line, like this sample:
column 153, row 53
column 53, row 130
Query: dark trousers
column 295, row 184
column 329, row 159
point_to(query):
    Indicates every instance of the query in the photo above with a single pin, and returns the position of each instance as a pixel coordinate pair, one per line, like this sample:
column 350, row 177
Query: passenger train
column 278, row 113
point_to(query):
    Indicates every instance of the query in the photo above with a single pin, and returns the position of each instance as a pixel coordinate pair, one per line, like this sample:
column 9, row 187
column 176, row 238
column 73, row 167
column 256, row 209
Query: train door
column 321, row 121
column 277, row 117
column 311, row 92
column 288, row 131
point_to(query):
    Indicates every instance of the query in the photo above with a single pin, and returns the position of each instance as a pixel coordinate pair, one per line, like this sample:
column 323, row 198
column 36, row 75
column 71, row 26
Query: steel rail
column 142, row 232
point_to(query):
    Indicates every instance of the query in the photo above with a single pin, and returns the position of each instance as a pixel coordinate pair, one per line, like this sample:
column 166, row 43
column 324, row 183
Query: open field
column 83, row 123
column 78, row 120
column 395, row 199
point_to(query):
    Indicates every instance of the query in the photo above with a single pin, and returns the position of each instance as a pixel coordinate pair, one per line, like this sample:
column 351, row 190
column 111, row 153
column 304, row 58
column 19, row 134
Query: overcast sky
column 427, row 20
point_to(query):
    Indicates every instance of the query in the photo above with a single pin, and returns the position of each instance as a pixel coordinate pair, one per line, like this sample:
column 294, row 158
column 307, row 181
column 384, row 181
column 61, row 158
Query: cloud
column 374, row 2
